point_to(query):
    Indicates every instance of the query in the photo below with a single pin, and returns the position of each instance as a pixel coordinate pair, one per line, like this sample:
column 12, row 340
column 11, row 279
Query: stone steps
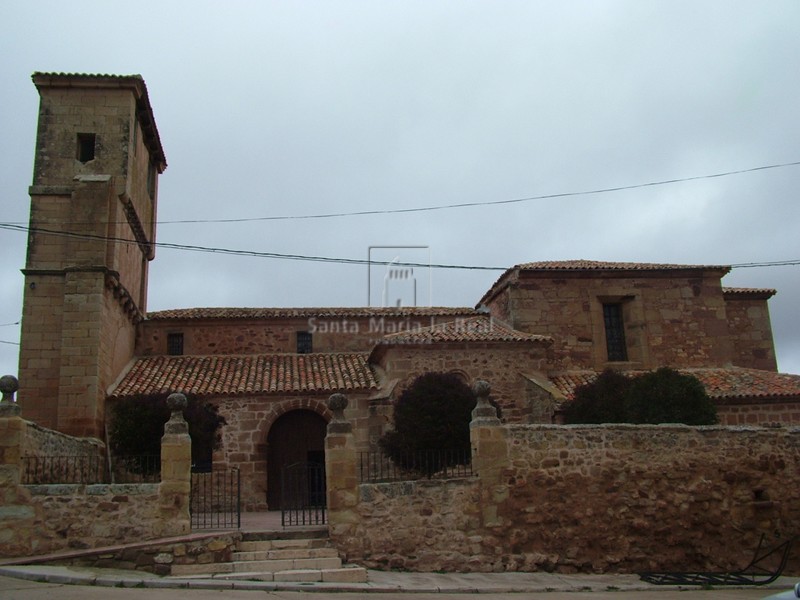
column 306, row 559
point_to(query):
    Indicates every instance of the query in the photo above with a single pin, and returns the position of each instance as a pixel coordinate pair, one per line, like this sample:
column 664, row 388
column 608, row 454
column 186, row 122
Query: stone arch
column 294, row 432
column 462, row 375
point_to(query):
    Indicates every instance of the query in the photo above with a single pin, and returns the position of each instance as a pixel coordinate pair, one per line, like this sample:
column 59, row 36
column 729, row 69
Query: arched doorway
column 296, row 437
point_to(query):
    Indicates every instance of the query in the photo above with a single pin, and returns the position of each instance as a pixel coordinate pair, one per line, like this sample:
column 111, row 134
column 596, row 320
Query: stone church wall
column 759, row 413
column 503, row 364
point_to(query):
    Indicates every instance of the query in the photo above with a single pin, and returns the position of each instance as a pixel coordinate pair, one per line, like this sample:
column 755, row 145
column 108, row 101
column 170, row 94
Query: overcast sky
column 299, row 108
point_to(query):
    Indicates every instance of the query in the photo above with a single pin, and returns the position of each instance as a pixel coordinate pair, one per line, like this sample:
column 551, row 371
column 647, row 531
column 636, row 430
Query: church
column 541, row 330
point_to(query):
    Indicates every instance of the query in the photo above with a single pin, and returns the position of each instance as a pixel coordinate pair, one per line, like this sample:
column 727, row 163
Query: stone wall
column 671, row 317
column 90, row 516
column 245, row 436
column 40, row 442
column 751, row 329
column 38, row 519
column 505, row 364
column 764, row 413
column 195, row 555
column 206, row 336
column 585, row 499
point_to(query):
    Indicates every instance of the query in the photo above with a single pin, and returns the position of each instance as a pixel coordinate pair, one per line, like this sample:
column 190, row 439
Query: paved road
column 17, row 589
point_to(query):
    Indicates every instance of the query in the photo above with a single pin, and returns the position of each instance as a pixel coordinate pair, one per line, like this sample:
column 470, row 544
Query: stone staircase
column 302, row 556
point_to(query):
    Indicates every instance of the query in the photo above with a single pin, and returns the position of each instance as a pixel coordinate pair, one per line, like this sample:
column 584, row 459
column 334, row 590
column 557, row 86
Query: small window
column 86, row 144
column 304, row 345
column 615, row 332
column 175, row 344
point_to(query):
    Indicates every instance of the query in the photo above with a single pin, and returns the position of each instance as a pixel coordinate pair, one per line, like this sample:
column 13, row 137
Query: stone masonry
column 618, row 498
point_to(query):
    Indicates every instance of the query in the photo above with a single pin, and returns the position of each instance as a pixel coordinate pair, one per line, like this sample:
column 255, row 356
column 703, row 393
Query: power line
column 249, row 253
column 311, row 258
column 9, row 343
column 481, row 203
column 489, row 202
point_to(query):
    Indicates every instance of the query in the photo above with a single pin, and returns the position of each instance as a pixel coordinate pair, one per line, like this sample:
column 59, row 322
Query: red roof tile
column 764, row 293
column 332, row 312
column 250, row 374
column 721, row 384
column 470, row 329
column 599, row 265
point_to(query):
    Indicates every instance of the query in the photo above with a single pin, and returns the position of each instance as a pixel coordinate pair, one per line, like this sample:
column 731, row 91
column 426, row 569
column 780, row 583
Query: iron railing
column 377, row 467
column 87, row 470
column 136, row 469
column 38, row 470
column 303, row 495
column 216, row 500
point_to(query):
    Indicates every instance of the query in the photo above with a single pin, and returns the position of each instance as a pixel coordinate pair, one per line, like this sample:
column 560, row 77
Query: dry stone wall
column 40, row 442
column 590, row 499
column 90, row 516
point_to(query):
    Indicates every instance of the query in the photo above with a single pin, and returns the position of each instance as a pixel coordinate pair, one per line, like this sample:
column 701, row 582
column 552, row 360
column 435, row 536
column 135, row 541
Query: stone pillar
column 489, row 454
column 340, row 471
column 176, row 471
column 16, row 514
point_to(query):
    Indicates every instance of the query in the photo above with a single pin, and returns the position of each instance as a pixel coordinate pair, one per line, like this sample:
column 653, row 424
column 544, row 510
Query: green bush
column 137, row 425
column 666, row 396
column 601, row 401
column 662, row 396
column 431, row 415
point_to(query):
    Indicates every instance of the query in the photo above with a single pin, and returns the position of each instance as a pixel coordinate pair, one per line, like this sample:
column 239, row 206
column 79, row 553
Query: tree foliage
column 602, row 401
column 667, row 396
column 137, row 425
column 431, row 415
column 662, row 396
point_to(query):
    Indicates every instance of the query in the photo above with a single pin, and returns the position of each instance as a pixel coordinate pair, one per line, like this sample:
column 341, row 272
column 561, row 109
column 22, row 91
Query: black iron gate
column 216, row 500
column 303, row 492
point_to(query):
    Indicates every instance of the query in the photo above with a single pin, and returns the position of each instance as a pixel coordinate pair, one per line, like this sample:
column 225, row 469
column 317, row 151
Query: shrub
column 431, row 415
column 662, row 396
column 137, row 425
column 666, row 396
column 601, row 401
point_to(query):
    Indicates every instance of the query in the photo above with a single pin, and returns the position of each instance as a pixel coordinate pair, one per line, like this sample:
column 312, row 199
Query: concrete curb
column 380, row 582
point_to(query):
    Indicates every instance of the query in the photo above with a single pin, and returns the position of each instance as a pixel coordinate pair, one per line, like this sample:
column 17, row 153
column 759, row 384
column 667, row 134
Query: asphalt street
column 18, row 589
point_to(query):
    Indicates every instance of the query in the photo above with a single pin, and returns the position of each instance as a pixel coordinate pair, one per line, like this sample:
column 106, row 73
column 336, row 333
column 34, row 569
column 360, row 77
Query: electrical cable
column 302, row 257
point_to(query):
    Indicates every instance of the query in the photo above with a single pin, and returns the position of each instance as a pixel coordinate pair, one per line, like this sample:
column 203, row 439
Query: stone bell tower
column 92, row 230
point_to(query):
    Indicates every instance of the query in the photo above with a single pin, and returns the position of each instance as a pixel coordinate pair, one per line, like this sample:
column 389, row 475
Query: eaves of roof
column 723, row 385
column 320, row 313
column 481, row 329
column 731, row 293
column 246, row 375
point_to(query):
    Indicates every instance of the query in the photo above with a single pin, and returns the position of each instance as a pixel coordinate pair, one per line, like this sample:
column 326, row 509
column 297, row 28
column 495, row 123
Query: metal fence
column 303, row 495
column 135, row 469
column 87, row 470
column 37, row 470
column 377, row 467
column 216, row 500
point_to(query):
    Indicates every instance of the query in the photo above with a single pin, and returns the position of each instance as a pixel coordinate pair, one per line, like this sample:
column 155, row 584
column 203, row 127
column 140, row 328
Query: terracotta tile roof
column 330, row 312
column 731, row 292
column 250, row 374
column 470, row 329
column 564, row 266
column 136, row 82
column 721, row 384
column 599, row 265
